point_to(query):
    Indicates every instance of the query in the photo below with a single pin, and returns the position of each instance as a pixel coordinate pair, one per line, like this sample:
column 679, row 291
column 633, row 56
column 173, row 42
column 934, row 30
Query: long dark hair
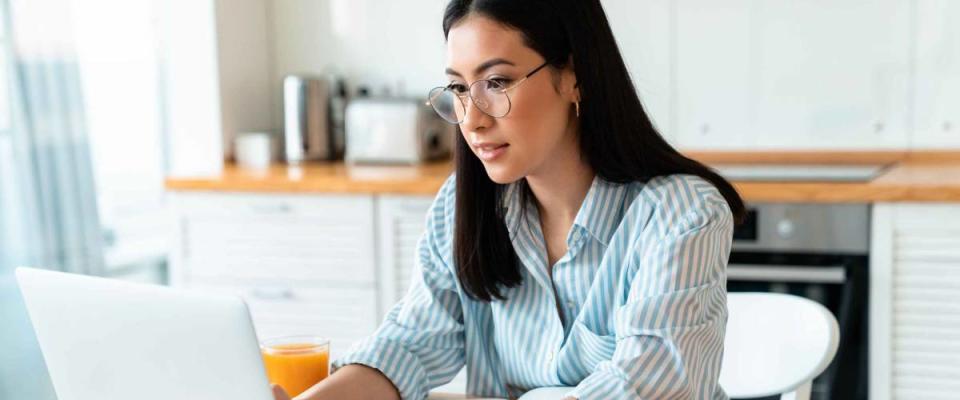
column 617, row 138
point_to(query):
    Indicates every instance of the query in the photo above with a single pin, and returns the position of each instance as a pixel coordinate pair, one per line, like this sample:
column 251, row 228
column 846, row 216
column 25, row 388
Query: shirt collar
column 599, row 214
column 601, row 209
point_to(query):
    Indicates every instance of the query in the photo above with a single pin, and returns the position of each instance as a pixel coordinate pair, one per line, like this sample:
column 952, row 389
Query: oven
column 817, row 251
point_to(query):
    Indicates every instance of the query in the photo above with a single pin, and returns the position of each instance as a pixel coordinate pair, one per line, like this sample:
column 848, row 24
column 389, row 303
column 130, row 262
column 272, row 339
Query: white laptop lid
column 110, row 340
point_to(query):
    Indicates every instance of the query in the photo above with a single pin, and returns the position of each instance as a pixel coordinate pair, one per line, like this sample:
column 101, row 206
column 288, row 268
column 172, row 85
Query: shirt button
column 549, row 357
column 571, row 304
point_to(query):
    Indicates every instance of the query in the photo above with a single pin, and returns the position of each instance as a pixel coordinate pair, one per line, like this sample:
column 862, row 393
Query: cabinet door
column 401, row 223
column 343, row 315
column 793, row 74
column 261, row 238
column 714, row 74
column 937, row 53
column 915, row 302
column 304, row 264
column 643, row 32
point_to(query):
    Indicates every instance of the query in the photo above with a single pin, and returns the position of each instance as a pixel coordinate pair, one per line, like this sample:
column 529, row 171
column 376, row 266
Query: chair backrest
column 775, row 344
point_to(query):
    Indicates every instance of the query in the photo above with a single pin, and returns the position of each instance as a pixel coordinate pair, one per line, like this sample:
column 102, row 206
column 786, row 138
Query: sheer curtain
column 48, row 210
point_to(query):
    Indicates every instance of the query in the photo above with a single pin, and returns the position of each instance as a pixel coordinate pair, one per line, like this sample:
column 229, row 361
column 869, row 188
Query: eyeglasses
column 490, row 96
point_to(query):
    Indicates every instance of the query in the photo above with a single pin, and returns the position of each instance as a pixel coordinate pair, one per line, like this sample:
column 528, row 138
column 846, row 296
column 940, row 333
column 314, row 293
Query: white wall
column 215, row 71
column 243, row 63
column 391, row 47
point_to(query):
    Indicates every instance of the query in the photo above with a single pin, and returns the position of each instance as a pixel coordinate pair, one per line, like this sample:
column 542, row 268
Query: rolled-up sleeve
column 670, row 324
column 420, row 344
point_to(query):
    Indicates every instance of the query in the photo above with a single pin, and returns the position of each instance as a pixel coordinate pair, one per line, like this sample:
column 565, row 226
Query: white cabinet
column 315, row 264
column 343, row 315
column 714, row 68
column 304, row 264
column 401, row 223
column 937, row 93
column 642, row 30
column 793, row 74
column 915, row 302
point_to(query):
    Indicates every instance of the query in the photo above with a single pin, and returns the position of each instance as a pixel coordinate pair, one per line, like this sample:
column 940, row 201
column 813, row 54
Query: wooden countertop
column 326, row 177
column 910, row 177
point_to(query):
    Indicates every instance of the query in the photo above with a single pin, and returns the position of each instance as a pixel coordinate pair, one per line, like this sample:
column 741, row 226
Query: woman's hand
column 279, row 393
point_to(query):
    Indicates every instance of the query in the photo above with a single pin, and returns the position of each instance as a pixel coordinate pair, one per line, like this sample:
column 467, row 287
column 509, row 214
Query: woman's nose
column 474, row 119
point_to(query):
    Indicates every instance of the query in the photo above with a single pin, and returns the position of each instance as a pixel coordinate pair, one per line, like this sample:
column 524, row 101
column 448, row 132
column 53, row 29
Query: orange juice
column 296, row 364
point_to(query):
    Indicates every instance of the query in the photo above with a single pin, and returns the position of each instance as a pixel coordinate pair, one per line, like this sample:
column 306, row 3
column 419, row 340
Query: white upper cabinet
column 714, row 69
column 937, row 54
column 793, row 74
column 642, row 30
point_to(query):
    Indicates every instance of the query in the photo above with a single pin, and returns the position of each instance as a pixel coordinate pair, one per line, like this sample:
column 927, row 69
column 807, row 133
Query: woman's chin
column 502, row 174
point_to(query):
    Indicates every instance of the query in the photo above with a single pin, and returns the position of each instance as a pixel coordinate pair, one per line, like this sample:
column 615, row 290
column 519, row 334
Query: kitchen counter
column 323, row 177
column 908, row 177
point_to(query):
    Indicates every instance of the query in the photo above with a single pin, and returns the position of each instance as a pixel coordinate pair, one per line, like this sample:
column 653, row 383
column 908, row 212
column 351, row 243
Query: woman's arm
column 670, row 330
column 420, row 344
column 348, row 383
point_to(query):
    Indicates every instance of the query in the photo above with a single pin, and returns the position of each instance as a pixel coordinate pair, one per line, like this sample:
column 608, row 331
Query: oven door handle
column 787, row 273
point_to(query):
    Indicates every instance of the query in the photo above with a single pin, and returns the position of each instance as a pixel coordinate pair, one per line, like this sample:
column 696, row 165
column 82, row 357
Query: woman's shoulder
column 679, row 187
column 673, row 199
column 441, row 212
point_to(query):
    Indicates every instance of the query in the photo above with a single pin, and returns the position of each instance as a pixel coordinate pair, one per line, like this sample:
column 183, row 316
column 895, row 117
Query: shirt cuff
column 400, row 366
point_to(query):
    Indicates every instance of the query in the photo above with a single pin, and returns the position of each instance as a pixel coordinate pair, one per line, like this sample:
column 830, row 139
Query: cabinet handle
column 787, row 273
column 271, row 208
column 272, row 293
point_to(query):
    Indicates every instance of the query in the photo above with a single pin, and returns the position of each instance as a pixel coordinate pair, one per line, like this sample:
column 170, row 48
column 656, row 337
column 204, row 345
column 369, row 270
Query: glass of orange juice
column 296, row 362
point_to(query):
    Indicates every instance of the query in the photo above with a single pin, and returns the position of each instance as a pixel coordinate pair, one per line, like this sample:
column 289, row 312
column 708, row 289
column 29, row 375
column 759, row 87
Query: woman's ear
column 570, row 84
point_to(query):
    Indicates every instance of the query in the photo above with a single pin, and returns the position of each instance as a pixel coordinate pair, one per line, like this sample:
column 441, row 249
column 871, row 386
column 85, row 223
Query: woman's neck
column 561, row 186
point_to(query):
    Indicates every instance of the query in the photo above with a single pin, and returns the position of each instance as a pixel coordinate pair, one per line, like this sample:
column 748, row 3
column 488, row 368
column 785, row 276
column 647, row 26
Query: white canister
column 254, row 149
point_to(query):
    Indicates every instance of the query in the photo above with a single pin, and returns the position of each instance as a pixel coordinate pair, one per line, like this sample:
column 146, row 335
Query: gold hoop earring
column 577, row 103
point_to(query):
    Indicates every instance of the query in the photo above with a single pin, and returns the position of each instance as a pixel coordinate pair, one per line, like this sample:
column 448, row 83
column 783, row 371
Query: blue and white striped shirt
column 642, row 289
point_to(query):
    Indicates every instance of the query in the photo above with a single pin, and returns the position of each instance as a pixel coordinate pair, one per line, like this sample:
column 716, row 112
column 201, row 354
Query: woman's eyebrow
column 483, row 67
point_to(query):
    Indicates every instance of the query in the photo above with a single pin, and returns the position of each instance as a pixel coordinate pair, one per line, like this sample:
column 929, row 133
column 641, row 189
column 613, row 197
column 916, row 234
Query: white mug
column 254, row 149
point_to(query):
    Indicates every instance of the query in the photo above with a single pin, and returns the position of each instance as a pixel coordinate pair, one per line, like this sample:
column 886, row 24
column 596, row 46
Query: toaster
column 395, row 131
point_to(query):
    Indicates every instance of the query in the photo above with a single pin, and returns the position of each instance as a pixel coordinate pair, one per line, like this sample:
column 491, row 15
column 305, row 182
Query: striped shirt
column 636, row 308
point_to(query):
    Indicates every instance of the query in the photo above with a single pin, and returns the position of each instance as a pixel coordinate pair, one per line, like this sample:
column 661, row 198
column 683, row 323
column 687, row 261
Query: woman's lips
column 492, row 152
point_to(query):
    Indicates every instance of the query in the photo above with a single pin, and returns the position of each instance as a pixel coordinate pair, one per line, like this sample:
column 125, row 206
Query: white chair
column 775, row 345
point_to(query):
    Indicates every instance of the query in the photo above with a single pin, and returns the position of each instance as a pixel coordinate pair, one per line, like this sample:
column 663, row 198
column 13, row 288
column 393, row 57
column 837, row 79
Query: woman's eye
column 457, row 88
column 501, row 82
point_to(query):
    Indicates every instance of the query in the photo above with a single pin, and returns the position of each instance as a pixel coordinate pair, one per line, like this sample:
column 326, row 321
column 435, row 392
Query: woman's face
column 540, row 123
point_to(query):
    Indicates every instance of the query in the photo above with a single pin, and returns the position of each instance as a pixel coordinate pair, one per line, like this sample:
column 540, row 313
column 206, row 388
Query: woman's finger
column 279, row 393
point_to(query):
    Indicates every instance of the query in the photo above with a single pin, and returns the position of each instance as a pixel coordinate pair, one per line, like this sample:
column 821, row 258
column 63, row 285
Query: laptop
column 105, row 339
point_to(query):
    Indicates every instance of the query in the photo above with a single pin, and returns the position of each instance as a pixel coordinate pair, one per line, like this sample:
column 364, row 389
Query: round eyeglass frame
column 439, row 90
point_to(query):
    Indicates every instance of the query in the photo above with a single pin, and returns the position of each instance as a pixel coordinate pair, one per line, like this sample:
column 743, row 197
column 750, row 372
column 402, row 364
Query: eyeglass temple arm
column 527, row 76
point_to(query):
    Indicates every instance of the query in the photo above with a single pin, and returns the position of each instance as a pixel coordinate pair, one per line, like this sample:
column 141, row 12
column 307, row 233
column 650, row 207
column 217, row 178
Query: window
column 5, row 111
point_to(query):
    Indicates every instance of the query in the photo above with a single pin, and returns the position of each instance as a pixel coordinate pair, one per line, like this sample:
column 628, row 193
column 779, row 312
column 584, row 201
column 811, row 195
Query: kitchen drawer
column 333, row 207
column 259, row 238
column 342, row 315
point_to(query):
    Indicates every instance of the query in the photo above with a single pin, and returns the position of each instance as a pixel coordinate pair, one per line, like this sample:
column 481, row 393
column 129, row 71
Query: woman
column 572, row 247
